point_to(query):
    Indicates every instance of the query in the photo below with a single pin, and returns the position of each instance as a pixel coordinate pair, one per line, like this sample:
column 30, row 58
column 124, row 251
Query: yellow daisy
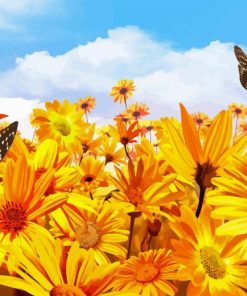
column 61, row 122
column 197, row 162
column 101, row 231
column 52, row 272
column 212, row 264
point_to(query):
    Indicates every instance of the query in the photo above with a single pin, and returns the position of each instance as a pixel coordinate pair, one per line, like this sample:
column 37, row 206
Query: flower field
column 135, row 207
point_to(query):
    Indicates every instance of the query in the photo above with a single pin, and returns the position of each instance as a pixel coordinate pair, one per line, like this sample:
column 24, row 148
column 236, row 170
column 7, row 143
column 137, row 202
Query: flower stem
column 86, row 115
column 126, row 151
column 132, row 215
column 201, row 198
column 236, row 126
column 125, row 102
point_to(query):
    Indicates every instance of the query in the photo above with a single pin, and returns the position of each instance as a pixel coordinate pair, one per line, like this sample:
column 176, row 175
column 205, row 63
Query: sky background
column 176, row 51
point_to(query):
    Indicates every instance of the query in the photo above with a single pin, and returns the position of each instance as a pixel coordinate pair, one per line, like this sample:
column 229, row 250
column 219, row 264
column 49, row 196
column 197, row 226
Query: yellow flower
column 144, row 188
column 200, row 119
column 89, row 143
column 148, row 274
column 24, row 202
column 52, row 272
column 60, row 122
column 238, row 110
column 197, row 162
column 86, row 104
column 123, row 90
column 212, row 264
column 230, row 201
column 92, row 174
column 110, row 152
column 100, row 231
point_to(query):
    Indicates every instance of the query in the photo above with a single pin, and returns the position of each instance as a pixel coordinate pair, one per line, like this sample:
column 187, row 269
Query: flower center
column 135, row 196
column 123, row 90
column 62, row 126
column 13, row 217
column 108, row 158
column 238, row 111
column 88, row 178
column 136, row 114
column 205, row 172
column 85, row 148
column 212, row 263
column 66, row 290
column 199, row 121
column 89, row 237
column 146, row 273
column 84, row 105
column 124, row 140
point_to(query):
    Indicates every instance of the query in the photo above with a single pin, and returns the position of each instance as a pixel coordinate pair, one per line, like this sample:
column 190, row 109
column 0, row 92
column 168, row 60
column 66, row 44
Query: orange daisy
column 148, row 274
column 123, row 90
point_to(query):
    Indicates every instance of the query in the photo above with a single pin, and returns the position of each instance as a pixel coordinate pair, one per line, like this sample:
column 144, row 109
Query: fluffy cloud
column 204, row 79
column 12, row 11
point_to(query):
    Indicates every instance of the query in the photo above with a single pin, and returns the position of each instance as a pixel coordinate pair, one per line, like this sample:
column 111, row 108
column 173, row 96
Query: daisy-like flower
column 242, row 127
column 148, row 274
column 23, row 202
column 89, row 142
column 122, row 116
column 100, row 232
column 211, row 264
column 122, row 91
column 86, row 104
column 92, row 174
column 49, row 271
column 144, row 188
column 61, row 122
column 238, row 110
column 137, row 111
column 200, row 119
column 197, row 162
column 229, row 199
column 110, row 152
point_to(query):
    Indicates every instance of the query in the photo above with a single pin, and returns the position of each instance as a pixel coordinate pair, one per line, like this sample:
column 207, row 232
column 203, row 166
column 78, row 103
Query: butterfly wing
column 7, row 136
column 242, row 67
column 243, row 76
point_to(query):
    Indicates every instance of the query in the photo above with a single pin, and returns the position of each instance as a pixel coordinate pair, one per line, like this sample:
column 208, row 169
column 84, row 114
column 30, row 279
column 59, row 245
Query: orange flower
column 148, row 274
column 123, row 90
column 200, row 119
column 238, row 110
column 137, row 110
column 86, row 104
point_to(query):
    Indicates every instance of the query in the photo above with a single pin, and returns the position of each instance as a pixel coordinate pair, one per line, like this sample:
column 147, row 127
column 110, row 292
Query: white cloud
column 12, row 11
column 205, row 79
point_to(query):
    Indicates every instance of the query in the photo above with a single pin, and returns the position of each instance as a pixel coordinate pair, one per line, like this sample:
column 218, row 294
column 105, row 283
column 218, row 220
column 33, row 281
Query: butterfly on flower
column 242, row 66
column 7, row 136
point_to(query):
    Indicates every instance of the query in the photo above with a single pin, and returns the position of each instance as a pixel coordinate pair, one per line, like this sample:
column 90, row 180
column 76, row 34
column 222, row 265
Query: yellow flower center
column 89, row 237
column 135, row 196
column 212, row 263
column 146, row 273
column 62, row 126
column 66, row 290
column 13, row 217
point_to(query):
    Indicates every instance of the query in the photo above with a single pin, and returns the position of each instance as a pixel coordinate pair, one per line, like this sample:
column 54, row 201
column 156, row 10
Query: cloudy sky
column 175, row 51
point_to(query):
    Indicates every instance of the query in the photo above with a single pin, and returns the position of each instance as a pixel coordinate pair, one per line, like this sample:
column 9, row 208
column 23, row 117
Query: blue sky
column 62, row 25
column 175, row 51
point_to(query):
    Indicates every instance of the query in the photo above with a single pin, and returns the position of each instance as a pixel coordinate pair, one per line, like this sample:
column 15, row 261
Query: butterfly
column 7, row 136
column 242, row 66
